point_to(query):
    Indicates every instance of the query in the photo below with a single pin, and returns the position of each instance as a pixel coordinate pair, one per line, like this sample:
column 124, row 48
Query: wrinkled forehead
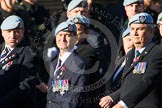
column 62, row 32
column 134, row 4
column 137, row 26
column 14, row 30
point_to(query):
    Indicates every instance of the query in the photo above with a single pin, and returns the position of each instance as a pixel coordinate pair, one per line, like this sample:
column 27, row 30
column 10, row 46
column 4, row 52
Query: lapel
column 17, row 50
column 70, row 65
column 52, row 67
column 13, row 54
column 130, row 65
column 117, row 65
column 2, row 47
column 67, row 64
column 129, row 59
column 119, row 62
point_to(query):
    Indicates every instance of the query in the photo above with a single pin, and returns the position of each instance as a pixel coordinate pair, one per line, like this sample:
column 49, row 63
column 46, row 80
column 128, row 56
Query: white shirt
column 63, row 58
column 9, row 49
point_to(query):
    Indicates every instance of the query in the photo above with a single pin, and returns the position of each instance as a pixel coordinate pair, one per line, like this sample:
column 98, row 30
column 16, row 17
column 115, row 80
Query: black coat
column 73, row 98
column 112, row 86
column 142, row 90
column 18, row 81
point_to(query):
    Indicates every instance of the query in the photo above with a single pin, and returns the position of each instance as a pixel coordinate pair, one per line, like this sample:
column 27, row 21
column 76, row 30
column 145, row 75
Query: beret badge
column 21, row 25
column 70, row 28
column 75, row 20
column 160, row 19
column 142, row 19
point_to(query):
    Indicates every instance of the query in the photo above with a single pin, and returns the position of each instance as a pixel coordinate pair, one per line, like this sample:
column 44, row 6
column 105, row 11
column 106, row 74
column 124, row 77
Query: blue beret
column 80, row 19
column 141, row 18
column 128, row 2
column 66, row 26
column 159, row 18
column 12, row 22
column 126, row 32
column 77, row 3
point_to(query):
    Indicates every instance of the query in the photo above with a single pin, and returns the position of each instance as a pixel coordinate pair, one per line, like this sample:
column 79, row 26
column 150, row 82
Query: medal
column 140, row 68
column 60, row 86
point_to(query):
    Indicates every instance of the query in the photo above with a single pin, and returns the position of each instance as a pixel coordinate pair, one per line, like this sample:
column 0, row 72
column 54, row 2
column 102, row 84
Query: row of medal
column 60, row 86
column 140, row 68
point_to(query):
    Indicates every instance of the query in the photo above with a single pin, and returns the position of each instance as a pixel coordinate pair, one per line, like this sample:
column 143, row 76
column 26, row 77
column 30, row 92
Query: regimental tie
column 4, row 53
column 57, row 67
column 137, row 55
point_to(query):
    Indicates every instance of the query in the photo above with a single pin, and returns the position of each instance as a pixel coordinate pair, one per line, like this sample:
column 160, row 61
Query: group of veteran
column 141, row 78
column 67, row 77
column 68, row 70
column 135, row 80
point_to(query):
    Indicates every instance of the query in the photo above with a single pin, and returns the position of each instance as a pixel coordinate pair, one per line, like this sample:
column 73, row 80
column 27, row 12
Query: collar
column 9, row 47
column 141, row 50
column 66, row 55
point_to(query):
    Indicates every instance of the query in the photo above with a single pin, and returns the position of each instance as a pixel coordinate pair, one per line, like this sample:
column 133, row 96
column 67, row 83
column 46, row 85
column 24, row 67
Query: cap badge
column 21, row 25
column 142, row 19
column 75, row 20
column 70, row 28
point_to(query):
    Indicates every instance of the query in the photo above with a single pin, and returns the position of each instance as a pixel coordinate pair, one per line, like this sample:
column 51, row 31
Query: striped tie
column 58, row 63
column 57, row 67
column 137, row 54
column 4, row 53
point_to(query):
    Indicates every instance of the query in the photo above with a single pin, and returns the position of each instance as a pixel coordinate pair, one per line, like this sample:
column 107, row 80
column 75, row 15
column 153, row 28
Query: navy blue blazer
column 74, row 97
column 142, row 89
column 18, row 80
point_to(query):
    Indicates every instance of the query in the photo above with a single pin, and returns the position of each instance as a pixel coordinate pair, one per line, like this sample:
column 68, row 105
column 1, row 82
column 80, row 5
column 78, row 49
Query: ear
column 158, row 26
column 151, row 30
column 125, row 7
column 2, row 33
column 68, row 14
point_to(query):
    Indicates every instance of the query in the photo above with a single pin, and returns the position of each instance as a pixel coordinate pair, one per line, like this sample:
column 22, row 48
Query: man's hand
column 42, row 87
column 105, row 102
column 117, row 106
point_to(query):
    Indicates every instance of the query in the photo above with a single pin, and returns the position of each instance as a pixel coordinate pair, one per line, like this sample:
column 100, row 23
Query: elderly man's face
column 160, row 27
column 65, row 40
column 13, row 37
column 127, row 43
column 77, row 11
column 133, row 9
column 140, row 34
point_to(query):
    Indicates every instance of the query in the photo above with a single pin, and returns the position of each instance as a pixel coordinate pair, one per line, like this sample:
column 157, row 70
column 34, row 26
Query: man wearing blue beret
column 141, row 77
column 18, row 67
column 132, row 7
column 67, row 78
